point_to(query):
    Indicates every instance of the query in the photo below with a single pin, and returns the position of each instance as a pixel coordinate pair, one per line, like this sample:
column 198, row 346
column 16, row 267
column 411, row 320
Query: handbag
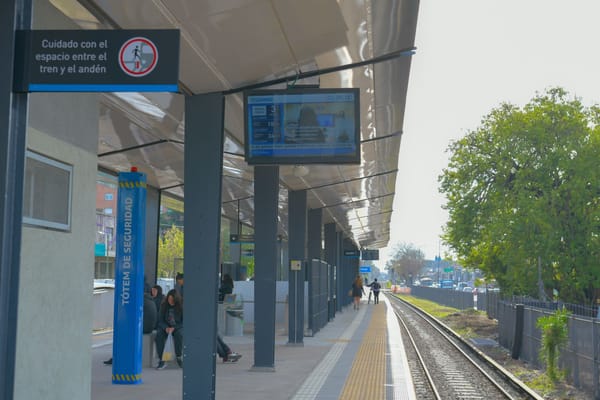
column 169, row 351
column 350, row 293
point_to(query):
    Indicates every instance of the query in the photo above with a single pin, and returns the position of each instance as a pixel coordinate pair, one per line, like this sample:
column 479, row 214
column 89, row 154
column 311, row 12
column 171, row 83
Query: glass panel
column 47, row 192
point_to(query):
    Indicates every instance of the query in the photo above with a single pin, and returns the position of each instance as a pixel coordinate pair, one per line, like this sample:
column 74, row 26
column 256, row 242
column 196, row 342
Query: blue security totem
column 129, row 278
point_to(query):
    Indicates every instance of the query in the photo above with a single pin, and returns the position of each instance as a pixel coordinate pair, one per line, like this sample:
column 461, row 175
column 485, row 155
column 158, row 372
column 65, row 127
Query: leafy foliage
column 524, row 185
column 406, row 261
column 555, row 334
column 170, row 253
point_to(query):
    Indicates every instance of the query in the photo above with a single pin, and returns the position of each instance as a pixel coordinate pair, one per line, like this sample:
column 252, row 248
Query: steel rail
column 452, row 337
column 436, row 393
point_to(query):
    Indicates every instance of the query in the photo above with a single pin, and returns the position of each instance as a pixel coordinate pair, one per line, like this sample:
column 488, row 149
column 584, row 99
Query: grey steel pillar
column 203, row 152
column 297, row 223
column 315, row 236
column 152, row 235
column 342, row 287
column 330, row 253
column 352, row 266
column 14, row 14
column 266, row 195
column 235, row 249
column 313, row 245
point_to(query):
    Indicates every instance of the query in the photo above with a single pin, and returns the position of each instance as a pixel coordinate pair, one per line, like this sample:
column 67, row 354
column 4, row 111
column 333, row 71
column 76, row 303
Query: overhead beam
column 407, row 52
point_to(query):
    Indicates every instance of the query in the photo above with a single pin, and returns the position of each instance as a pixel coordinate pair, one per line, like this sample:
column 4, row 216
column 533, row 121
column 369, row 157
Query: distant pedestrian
column 357, row 291
column 375, row 288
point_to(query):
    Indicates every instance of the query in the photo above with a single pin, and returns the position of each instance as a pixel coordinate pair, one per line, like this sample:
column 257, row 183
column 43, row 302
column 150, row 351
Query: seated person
column 225, row 352
column 170, row 320
column 150, row 314
column 157, row 296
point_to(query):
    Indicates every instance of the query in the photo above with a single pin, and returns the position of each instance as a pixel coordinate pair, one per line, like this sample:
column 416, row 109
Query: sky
column 472, row 56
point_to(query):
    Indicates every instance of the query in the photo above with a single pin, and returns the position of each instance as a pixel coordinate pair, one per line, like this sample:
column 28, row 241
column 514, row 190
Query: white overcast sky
column 471, row 56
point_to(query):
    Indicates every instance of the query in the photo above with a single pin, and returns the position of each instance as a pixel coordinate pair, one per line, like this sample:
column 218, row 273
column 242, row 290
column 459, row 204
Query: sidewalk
column 293, row 366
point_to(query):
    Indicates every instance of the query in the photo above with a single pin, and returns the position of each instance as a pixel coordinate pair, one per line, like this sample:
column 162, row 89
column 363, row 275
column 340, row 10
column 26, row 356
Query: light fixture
column 300, row 171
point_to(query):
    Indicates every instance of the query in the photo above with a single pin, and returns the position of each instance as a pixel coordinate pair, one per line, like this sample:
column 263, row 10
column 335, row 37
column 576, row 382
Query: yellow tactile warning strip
column 368, row 373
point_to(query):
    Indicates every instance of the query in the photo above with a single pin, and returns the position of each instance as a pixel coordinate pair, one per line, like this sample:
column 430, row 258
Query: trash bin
column 221, row 319
column 234, row 322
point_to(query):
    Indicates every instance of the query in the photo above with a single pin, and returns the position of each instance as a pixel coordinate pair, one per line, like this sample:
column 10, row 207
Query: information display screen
column 302, row 126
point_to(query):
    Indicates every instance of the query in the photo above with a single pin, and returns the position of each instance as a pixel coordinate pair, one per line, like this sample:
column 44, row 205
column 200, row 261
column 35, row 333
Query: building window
column 47, row 192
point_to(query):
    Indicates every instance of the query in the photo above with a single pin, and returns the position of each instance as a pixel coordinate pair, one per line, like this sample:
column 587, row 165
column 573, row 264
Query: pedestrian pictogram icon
column 138, row 57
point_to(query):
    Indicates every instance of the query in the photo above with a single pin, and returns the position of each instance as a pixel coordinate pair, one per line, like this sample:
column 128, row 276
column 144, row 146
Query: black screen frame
column 301, row 159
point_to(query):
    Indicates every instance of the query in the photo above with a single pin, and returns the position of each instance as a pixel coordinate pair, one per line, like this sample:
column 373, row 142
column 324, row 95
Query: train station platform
column 358, row 355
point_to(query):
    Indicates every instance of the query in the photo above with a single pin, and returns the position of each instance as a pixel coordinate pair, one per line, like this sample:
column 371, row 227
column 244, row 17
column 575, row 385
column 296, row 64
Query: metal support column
column 235, row 249
column 313, row 246
column 342, row 287
column 14, row 14
column 266, row 195
column 330, row 252
column 297, row 217
column 315, row 234
column 204, row 116
column 152, row 235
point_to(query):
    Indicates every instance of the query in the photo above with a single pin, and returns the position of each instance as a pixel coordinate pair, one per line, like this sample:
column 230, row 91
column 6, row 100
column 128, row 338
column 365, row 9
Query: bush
column 555, row 334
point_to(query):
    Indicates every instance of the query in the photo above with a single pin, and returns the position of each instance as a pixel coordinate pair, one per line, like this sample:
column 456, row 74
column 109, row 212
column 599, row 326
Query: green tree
column 406, row 261
column 170, row 253
column 523, row 188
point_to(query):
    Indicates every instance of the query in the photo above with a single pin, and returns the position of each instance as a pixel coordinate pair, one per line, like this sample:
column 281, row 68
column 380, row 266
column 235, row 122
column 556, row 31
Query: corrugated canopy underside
column 234, row 43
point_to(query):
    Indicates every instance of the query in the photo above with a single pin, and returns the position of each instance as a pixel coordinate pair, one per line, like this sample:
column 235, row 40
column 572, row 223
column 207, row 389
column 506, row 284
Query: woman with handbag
column 170, row 322
column 357, row 291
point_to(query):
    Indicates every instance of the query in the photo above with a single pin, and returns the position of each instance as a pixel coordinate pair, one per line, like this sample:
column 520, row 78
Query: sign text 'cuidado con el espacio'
column 97, row 61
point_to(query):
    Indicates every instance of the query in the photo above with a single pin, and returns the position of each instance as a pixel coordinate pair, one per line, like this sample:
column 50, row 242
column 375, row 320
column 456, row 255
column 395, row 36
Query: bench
column 149, row 356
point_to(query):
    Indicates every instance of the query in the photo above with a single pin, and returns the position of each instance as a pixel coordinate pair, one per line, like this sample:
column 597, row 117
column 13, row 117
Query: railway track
column 444, row 366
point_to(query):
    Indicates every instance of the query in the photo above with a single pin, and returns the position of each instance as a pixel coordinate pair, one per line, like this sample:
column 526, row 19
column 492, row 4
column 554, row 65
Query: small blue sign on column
column 129, row 278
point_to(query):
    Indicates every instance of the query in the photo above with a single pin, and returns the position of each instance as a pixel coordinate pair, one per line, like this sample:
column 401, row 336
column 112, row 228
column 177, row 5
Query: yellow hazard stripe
column 127, row 377
column 132, row 184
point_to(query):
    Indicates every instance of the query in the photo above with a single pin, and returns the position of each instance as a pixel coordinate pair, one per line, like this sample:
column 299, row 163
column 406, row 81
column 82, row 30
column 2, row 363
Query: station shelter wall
column 53, row 348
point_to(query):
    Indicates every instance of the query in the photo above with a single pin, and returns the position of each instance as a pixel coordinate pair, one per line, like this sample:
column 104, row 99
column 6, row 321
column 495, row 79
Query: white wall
column 53, row 357
column 54, row 325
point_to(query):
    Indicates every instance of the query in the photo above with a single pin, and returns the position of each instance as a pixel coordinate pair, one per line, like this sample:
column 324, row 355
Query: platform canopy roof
column 231, row 44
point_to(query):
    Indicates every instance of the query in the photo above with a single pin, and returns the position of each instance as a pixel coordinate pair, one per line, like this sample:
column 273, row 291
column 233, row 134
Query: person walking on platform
column 225, row 352
column 170, row 321
column 357, row 291
column 375, row 288
column 226, row 287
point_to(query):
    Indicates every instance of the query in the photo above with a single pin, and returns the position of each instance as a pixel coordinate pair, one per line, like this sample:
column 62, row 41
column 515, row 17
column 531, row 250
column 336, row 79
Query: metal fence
column 318, row 295
column 575, row 309
column 447, row 297
column 580, row 358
